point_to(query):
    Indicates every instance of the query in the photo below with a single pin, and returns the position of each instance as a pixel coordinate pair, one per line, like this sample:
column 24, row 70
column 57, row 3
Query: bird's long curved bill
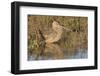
column 69, row 30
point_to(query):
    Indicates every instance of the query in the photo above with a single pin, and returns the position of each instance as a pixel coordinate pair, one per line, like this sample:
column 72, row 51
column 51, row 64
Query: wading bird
column 56, row 34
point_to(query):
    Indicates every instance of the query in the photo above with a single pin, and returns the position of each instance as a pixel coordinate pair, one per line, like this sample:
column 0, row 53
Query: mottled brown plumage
column 56, row 33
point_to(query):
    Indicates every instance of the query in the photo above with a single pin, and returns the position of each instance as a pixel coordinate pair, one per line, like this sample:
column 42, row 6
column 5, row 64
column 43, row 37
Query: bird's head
column 55, row 25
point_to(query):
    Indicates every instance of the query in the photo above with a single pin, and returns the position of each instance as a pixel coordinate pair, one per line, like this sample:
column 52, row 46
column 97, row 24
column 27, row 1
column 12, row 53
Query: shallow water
column 76, row 55
column 55, row 51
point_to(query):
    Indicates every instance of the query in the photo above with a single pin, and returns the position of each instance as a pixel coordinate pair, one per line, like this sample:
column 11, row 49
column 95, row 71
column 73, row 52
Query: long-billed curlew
column 56, row 33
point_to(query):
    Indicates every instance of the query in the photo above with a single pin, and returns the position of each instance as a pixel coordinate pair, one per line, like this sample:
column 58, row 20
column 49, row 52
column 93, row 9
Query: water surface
column 55, row 51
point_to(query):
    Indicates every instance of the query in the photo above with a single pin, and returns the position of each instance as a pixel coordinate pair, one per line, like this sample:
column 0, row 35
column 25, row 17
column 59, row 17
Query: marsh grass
column 70, row 40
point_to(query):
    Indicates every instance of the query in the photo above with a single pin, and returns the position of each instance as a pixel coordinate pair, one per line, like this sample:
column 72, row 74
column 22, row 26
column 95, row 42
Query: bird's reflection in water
column 55, row 51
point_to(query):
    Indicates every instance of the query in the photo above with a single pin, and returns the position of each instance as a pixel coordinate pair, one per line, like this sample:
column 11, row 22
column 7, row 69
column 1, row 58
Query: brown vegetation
column 39, row 25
